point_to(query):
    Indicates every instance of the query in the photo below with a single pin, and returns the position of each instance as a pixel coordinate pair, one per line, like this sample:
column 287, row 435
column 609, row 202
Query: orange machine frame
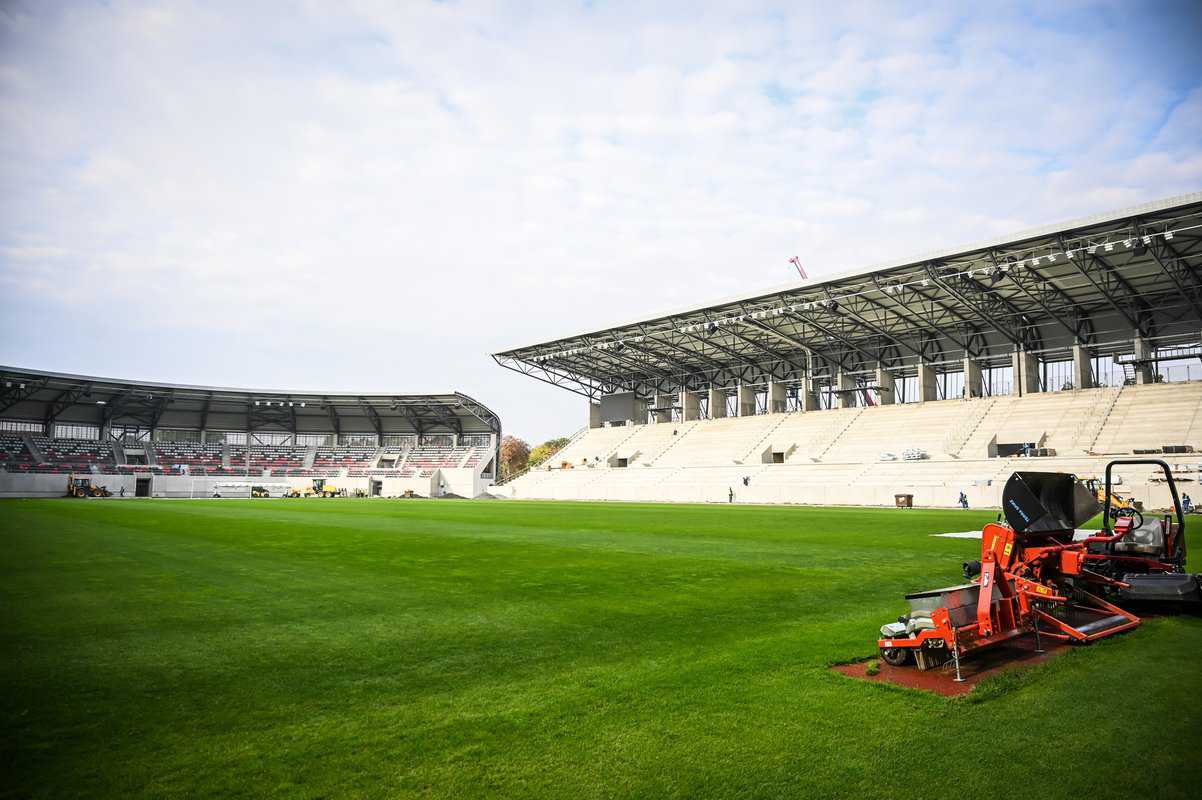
column 1027, row 578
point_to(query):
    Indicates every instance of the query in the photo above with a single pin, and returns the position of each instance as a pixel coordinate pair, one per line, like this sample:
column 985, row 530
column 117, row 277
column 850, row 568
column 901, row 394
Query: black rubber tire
column 896, row 656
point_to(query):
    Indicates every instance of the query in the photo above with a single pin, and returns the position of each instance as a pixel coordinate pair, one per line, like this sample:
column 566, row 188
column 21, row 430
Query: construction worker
column 963, row 501
column 1187, row 505
column 730, row 495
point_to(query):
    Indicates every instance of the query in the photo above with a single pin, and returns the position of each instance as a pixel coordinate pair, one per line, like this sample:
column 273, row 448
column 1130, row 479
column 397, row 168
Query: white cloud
column 403, row 188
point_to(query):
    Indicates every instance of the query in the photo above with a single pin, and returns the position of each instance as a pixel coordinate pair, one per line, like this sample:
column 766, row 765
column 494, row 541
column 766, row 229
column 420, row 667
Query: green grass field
column 503, row 649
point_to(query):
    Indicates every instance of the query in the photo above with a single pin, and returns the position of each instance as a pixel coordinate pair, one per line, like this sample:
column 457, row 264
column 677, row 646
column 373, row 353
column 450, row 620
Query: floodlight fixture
column 1168, row 235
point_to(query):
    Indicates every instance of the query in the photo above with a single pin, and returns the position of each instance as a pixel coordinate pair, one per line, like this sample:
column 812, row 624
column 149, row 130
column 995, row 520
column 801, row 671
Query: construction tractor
column 258, row 491
column 1038, row 577
column 1119, row 506
column 322, row 489
column 83, row 487
column 319, row 488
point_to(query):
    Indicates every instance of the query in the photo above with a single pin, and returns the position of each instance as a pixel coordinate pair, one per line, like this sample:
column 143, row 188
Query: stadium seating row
column 859, row 455
column 76, row 455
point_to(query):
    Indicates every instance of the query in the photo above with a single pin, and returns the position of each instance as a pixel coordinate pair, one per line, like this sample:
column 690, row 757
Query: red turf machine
column 1037, row 576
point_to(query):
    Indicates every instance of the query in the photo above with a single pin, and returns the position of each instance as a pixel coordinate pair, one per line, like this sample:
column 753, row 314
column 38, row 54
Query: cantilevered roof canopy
column 49, row 397
column 1098, row 281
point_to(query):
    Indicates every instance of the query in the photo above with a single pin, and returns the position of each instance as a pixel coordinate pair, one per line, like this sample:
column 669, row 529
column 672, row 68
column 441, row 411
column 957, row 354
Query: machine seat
column 1148, row 539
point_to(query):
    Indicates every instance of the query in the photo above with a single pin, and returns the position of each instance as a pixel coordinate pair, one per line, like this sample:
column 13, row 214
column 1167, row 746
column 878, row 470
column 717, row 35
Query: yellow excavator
column 1119, row 505
column 319, row 489
column 83, row 487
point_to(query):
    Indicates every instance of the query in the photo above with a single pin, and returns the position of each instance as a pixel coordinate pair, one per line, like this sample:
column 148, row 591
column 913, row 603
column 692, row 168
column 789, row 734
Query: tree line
column 517, row 455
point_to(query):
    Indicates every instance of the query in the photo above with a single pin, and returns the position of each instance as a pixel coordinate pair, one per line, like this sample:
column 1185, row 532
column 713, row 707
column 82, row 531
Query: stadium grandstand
column 1055, row 349
column 169, row 440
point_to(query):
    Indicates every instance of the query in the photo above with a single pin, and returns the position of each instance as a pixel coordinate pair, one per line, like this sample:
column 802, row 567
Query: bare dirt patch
column 974, row 668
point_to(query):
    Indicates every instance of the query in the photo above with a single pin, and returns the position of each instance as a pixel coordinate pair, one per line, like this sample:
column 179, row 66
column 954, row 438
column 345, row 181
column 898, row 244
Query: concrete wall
column 24, row 485
column 395, row 487
column 464, row 482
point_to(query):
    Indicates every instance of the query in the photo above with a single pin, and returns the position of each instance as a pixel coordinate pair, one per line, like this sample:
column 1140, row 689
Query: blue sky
column 376, row 195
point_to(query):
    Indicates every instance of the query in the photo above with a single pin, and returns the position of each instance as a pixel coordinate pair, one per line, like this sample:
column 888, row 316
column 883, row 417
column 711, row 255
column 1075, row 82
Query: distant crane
column 795, row 261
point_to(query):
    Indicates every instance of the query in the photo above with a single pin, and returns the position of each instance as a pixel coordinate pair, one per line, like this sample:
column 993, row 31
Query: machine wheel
column 897, row 656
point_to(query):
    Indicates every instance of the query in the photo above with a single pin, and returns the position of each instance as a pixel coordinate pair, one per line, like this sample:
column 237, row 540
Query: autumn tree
column 515, row 454
column 545, row 450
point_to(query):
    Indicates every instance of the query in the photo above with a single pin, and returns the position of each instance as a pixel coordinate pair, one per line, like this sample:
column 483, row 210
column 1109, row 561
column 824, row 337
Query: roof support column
column 1143, row 360
column 776, row 397
column 1026, row 372
column 974, row 386
column 690, row 405
column 746, row 401
column 663, row 408
column 844, row 383
column 884, row 380
column 640, row 411
column 1082, row 367
column 926, row 383
column 806, row 396
column 717, row 399
column 594, row 414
